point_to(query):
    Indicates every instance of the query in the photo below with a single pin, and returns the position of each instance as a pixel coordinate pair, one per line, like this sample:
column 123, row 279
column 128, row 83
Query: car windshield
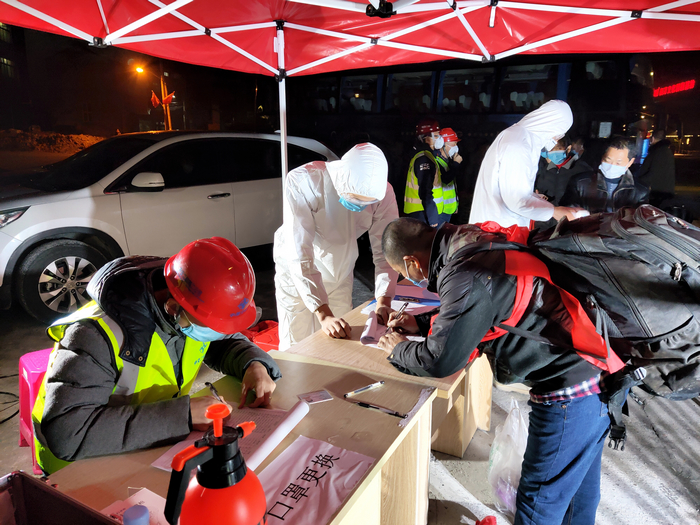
column 90, row 165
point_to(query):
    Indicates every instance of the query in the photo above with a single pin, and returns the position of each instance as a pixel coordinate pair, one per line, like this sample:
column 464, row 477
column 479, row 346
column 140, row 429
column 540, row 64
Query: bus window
column 525, row 88
column 601, row 70
column 641, row 71
column 321, row 95
column 466, row 91
column 358, row 94
column 410, row 92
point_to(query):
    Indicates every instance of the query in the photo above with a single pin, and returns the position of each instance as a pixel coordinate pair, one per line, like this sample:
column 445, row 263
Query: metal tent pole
column 281, row 76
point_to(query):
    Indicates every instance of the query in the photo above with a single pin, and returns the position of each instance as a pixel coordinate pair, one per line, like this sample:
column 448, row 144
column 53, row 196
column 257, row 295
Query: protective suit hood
column 363, row 170
column 552, row 119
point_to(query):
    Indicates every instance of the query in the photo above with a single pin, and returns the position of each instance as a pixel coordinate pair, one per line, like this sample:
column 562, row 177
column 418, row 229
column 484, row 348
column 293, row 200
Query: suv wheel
column 53, row 278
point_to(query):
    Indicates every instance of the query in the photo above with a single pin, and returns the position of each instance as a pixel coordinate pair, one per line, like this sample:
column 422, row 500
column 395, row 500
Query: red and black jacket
column 478, row 287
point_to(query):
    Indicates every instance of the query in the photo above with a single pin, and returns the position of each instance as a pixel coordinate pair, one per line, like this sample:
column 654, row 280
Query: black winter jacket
column 659, row 168
column 552, row 181
column 475, row 295
column 79, row 420
column 589, row 191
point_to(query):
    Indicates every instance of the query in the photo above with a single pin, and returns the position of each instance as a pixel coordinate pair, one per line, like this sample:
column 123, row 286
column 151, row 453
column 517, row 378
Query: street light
column 163, row 94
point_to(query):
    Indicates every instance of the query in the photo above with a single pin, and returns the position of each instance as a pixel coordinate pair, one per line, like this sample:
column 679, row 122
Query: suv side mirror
column 148, row 181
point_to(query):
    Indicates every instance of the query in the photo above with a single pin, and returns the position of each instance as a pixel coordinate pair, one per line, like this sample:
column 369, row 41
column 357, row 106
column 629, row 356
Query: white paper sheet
column 271, row 427
column 373, row 331
column 412, row 308
column 154, row 502
column 309, row 481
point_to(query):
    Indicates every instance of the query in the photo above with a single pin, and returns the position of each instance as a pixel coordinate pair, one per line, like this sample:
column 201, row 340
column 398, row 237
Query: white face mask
column 453, row 151
column 549, row 145
column 610, row 171
column 439, row 143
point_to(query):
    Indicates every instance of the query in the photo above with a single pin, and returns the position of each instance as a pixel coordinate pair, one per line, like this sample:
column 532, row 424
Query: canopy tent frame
column 455, row 10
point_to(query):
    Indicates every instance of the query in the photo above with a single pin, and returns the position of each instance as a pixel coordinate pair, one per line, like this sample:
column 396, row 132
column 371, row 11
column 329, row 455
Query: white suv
column 140, row 193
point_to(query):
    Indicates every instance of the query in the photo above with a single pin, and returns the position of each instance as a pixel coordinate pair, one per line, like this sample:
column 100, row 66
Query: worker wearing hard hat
column 449, row 160
column 120, row 372
column 327, row 206
column 504, row 191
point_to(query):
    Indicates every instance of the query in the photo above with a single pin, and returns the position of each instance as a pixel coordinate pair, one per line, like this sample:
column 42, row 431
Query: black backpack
column 637, row 273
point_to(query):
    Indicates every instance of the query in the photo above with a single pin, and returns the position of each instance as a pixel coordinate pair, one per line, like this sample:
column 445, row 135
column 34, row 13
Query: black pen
column 381, row 409
column 399, row 313
column 214, row 392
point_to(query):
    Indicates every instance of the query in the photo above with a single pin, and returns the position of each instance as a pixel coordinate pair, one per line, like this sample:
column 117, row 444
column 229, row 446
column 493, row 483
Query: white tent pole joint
column 470, row 30
column 492, row 16
column 280, row 77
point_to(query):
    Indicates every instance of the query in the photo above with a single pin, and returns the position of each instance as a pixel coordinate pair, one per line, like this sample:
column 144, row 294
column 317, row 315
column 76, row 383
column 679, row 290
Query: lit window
column 5, row 33
column 7, row 68
column 467, row 90
column 410, row 92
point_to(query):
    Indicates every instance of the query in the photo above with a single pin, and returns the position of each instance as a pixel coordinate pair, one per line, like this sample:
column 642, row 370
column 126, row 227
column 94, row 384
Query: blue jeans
column 560, row 480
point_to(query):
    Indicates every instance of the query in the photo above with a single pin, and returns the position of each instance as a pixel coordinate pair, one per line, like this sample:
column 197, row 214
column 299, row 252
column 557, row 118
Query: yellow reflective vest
column 411, row 198
column 155, row 380
column 444, row 195
column 449, row 192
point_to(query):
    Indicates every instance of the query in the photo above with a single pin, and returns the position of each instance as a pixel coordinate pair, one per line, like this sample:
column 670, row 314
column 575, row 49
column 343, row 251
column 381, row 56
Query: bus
column 608, row 94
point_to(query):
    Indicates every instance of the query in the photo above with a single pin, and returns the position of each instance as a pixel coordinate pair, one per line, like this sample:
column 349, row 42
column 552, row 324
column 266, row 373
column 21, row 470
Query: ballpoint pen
column 214, row 392
column 399, row 313
column 381, row 409
column 364, row 389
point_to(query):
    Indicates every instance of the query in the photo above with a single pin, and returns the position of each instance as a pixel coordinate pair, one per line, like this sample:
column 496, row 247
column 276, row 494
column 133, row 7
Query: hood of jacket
column 550, row 120
column 363, row 170
column 451, row 239
column 122, row 289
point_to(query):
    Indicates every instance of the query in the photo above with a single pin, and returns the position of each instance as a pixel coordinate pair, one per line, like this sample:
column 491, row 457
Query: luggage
column 637, row 274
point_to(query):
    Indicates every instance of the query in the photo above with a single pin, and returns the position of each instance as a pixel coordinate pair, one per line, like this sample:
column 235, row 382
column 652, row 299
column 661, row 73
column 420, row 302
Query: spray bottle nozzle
column 218, row 413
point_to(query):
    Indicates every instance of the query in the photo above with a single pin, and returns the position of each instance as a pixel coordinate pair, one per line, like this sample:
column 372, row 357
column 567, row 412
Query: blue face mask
column 203, row 334
column 423, row 283
column 350, row 206
column 557, row 157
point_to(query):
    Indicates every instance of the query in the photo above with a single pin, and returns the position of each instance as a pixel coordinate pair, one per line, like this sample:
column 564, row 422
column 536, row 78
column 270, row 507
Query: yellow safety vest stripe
column 449, row 191
column 155, row 381
column 411, row 200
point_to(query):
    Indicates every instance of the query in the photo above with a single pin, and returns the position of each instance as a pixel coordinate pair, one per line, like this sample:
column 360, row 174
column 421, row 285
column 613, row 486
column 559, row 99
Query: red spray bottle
column 224, row 491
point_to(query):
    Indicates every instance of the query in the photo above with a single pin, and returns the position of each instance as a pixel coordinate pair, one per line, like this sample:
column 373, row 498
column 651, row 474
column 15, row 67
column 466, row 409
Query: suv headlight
column 8, row 216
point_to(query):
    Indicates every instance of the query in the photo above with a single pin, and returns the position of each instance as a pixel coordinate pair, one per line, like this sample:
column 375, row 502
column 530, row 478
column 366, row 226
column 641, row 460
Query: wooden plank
column 352, row 354
column 405, row 478
column 98, row 482
column 368, row 510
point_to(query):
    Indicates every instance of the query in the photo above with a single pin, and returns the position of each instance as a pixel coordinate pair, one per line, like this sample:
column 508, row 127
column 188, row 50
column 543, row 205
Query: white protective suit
column 316, row 247
column 504, row 190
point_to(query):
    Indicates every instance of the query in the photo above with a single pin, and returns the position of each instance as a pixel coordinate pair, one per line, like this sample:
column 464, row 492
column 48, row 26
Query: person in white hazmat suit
column 327, row 206
column 504, row 190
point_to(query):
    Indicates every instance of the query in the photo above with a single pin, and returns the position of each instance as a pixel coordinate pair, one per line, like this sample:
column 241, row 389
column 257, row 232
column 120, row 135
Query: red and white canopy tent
column 300, row 37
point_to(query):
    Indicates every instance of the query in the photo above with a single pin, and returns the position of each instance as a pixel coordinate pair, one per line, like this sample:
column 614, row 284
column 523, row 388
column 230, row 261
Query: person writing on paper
column 122, row 367
column 560, row 480
column 504, row 190
column 327, row 206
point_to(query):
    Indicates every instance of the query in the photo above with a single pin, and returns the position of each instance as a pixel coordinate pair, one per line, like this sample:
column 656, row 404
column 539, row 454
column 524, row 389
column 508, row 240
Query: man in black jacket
column 611, row 186
column 422, row 176
column 478, row 289
column 658, row 172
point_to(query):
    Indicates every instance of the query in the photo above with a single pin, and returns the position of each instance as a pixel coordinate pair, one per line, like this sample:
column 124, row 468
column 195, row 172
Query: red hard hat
column 215, row 283
column 425, row 127
column 448, row 135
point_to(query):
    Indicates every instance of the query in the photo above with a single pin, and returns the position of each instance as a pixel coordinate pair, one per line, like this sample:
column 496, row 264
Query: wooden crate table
column 463, row 401
column 394, row 491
